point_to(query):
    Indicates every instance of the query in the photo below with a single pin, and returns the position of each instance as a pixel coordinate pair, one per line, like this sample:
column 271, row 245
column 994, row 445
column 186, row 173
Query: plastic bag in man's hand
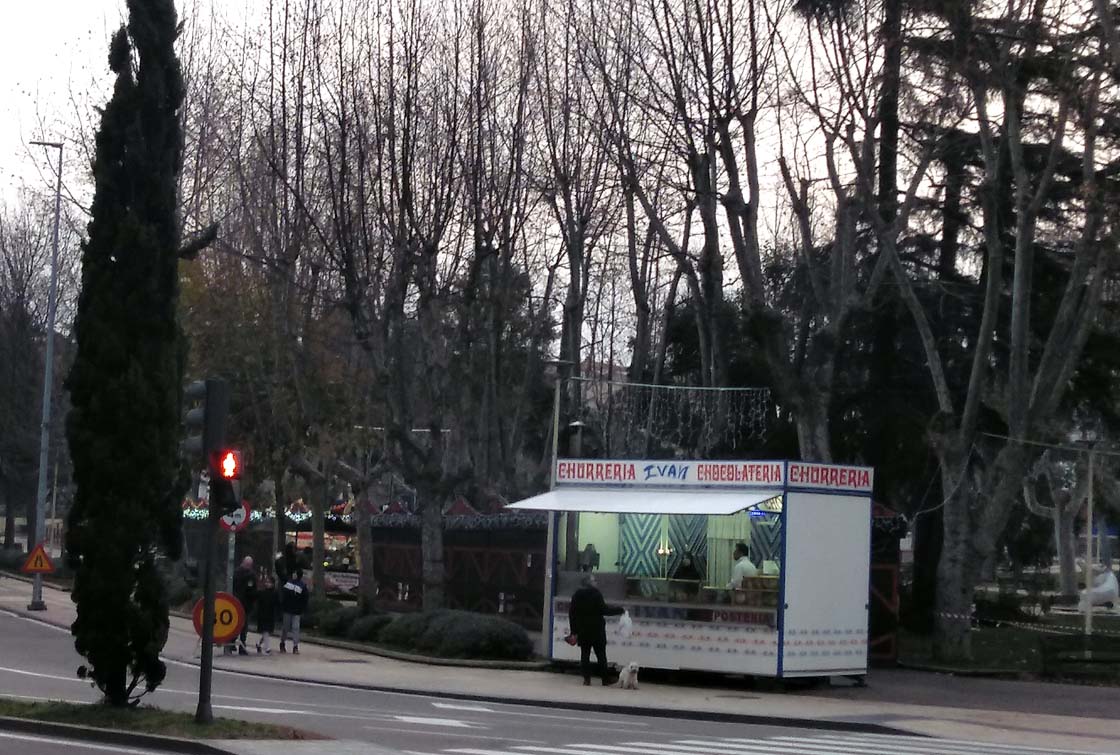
column 625, row 625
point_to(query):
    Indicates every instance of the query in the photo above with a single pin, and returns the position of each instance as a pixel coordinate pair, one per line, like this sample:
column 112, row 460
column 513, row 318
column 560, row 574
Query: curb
column 397, row 655
column 854, row 727
column 966, row 672
column 109, row 736
column 358, row 647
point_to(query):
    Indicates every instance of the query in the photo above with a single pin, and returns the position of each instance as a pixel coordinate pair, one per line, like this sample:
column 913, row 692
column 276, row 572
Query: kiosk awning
column 614, row 501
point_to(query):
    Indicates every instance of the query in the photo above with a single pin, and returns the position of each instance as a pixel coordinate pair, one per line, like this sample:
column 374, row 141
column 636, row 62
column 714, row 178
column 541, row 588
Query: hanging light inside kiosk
column 766, row 508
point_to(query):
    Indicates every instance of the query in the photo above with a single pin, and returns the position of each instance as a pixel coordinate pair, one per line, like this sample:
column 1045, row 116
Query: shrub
column 12, row 559
column 406, row 629
column 317, row 610
column 368, row 628
column 460, row 634
column 337, row 622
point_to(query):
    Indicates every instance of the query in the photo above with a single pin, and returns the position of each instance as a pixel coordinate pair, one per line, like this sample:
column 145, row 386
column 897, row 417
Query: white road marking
column 424, row 721
column 1019, row 749
column 826, row 744
column 36, row 674
column 70, row 743
column 455, row 734
column 458, row 706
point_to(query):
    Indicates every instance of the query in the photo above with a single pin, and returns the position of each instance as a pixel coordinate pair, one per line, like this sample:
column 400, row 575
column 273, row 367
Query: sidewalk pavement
column 1033, row 714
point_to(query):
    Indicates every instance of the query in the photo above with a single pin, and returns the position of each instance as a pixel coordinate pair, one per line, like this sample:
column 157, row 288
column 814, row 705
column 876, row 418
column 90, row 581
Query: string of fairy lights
column 295, row 513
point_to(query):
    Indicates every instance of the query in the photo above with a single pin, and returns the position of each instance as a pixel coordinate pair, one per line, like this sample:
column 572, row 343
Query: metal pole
column 204, row 713
column 54, row 496
column 1089, row 555
column 550, row 542
column 37, row 603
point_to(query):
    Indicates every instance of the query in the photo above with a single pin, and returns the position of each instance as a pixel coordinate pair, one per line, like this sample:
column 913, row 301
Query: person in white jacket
column 742, row 568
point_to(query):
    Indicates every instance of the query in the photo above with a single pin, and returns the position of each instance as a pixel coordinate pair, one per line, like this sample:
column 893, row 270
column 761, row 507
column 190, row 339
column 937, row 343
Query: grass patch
column 146, row 720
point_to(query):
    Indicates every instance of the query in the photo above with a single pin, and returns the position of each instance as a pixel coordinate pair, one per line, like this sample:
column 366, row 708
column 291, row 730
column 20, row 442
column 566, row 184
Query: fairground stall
column 662, row 540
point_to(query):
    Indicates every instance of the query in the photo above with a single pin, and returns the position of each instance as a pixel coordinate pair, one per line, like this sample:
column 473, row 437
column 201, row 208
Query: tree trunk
column 431, row 549
column 320, row 496
column 952, row 639
column 1105, row 543
column 928, row 536
column 9, row 518
column 367, row 581
column 812, row 429
column 1065, row 546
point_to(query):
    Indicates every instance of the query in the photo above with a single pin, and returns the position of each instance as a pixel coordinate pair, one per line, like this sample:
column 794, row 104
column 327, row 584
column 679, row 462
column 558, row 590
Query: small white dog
column 628, row 676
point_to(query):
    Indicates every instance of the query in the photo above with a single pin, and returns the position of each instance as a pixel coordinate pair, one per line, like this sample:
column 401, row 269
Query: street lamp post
column 37, row 603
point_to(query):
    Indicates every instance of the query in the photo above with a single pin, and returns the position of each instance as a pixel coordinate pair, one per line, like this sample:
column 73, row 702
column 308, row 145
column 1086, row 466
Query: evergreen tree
column 126, row 380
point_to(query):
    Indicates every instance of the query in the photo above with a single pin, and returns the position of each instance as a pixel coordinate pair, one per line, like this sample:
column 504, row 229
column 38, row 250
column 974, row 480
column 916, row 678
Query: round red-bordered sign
column 229, row 618
column 236, row 520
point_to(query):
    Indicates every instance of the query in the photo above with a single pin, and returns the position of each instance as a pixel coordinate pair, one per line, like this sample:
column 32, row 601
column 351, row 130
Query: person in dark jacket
column 245, row 590
column 293, row 601
column 586, row 621
column 286, row 564
column 266, row 615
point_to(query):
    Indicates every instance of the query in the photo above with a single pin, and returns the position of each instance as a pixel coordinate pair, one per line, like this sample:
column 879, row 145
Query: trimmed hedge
column 12, row 558
column 368, row 628
column 317, row 610
column 459, row 634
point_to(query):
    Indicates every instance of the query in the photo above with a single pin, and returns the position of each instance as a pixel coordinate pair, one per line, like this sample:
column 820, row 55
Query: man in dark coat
column 245, row 590
column 586, row 622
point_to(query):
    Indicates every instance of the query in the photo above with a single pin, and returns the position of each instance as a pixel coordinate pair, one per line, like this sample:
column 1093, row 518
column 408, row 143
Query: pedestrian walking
column 245, row 590
column 266, row 615
column 293, row 601
column 586, row 621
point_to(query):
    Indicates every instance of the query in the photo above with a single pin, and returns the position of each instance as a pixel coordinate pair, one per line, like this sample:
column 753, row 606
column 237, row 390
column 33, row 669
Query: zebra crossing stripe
column 807, row 745
column 825, row 744
column 993, row 747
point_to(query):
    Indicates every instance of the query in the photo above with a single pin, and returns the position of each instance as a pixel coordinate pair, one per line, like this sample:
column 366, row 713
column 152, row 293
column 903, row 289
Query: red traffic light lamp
column 226, row 464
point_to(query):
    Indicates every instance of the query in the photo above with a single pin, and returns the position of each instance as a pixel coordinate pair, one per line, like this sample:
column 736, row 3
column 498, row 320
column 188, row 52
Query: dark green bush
column 336, row 623
column 317, row 610
column 407, row 628
column 368, row 628
column 459, row 634
column 12, row 559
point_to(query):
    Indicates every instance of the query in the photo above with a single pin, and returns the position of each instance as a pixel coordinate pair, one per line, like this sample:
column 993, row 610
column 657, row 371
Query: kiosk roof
column 612, row 501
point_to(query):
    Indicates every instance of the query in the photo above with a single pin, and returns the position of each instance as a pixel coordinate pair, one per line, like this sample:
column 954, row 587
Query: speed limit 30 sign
column 229, row 618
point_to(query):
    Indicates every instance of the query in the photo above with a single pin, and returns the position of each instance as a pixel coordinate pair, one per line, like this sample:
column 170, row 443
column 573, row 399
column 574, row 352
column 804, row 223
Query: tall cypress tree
column 125, row 384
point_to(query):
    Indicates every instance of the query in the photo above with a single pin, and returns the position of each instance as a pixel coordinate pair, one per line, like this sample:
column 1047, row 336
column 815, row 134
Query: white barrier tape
column 1057, row 629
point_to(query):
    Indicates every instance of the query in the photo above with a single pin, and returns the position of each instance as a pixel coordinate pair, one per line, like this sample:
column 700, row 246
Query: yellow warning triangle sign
column 38, row 562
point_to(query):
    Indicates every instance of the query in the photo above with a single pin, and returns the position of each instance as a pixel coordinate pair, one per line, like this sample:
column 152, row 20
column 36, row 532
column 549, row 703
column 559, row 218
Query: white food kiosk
column 659, row 539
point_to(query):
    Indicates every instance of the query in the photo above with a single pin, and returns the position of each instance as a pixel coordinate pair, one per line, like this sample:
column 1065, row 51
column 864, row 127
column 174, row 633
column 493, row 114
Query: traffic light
column 225, row 479
column 225, row 464
column 205, row 419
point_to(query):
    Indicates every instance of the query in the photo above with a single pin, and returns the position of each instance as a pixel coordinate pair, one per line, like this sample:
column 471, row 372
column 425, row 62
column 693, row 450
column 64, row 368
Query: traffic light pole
column 204, row 714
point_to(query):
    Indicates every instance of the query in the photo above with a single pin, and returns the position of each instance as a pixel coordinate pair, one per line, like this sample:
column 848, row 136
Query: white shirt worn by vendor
column 744, row 567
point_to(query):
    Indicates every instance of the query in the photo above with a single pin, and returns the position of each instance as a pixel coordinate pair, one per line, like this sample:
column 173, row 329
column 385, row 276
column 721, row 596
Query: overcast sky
column 49, row 50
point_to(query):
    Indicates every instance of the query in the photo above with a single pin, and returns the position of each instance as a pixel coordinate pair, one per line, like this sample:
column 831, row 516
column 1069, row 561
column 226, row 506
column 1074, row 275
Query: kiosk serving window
column 676, row 558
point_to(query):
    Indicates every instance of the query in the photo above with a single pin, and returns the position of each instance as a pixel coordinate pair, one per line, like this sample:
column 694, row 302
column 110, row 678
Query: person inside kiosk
column 691, row 561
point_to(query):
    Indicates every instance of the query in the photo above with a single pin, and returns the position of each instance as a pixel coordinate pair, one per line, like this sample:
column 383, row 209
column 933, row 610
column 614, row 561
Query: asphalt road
column 38, row 662
column 32, row 744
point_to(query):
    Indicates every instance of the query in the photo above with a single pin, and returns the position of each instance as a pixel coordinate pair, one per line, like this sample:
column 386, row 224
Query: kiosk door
column 826, row 572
